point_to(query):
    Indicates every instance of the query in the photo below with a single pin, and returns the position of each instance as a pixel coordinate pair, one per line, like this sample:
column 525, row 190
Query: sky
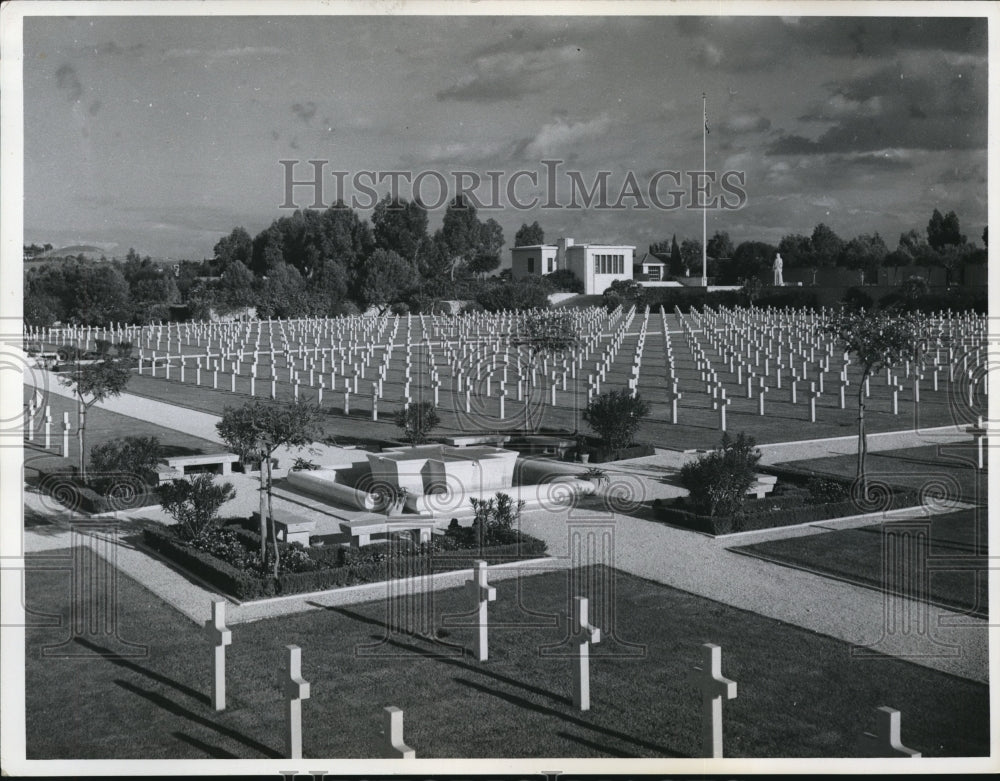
column 164, row 133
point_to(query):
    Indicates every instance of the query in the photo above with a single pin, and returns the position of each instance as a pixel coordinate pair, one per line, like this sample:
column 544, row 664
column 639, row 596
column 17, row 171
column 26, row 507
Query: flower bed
column 801, row 497
column 228, row 558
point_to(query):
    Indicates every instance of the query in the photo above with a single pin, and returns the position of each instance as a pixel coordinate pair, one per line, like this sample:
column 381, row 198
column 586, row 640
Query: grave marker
column 482, row 594
column 886, row 741
column 296, row 689
column 220, row 636
column 713, row 686
column 395, row 748
column 591, row 634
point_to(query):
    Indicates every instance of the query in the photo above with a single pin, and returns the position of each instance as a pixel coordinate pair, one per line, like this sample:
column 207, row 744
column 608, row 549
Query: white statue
column 778, row 281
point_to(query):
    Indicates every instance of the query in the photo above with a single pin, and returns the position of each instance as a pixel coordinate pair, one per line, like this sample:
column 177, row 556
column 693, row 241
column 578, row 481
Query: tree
column 717, row 481
column 865, row 252
column 529, row 293
column 877, row 340
column 400, row 226
column 676, row 261
column 690, row 255
column 615, row 417
column 93, row 383
column 238, row 287
column 749, row 260
column 564, row 279
column 529, row 235
column 237, row 247
column 257, row 429
column 986, row 236
column 194, row 503
column 417, row 420
column 943, row 231
column 623, row 292
column 720, row 246
column 796, row 250
column 826, row 246
column 461, row 232
column 384, row 279
column 544, row 334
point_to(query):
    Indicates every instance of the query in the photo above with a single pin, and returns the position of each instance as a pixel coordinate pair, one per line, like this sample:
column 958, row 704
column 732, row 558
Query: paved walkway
column 682, row 559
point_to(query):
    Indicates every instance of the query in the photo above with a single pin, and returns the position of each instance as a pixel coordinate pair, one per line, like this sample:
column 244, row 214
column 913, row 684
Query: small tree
column 254, row 431
column 417, row 420
column 544, row 333
column 194, row 503
column 877, row 340
column 615, row 417
column 93, row 383
column 135, row 455
column 717, row 482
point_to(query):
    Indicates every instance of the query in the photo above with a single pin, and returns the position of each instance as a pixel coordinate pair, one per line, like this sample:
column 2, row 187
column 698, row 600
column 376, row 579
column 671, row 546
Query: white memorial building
column 596, row 265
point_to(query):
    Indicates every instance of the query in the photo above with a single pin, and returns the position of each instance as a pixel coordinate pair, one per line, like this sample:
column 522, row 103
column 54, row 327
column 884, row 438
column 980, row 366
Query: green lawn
column 800, row 694
column 858, row 556
column 698, row 425
column 950, row 466
column 102, row 426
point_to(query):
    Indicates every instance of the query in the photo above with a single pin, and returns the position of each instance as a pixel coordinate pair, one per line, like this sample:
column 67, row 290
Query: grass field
column 800, row 694
column 102, row 426
column 955, row 554
column 698, row 424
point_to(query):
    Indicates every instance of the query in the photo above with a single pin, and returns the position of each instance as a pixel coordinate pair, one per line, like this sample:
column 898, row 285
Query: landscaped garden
column 801, row 694
column 230, row 555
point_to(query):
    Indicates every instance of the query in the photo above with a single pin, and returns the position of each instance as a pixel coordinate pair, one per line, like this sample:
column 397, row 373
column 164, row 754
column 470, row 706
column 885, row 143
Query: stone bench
column 223, row 461
column 362, row 529
column 291, row 527
column 482, row 439
column 762, row 486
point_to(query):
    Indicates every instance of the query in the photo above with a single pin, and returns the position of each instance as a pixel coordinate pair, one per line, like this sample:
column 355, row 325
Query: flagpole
column 704, row 208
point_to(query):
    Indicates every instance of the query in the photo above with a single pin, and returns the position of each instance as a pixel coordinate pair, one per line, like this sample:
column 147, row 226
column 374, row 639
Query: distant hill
column 88, row 251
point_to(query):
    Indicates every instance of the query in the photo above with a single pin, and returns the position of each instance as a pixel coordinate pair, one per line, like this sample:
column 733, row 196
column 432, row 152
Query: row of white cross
column 707, row 678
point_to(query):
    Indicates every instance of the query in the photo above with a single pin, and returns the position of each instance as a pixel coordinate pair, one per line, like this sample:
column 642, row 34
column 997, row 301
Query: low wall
column 323, row 483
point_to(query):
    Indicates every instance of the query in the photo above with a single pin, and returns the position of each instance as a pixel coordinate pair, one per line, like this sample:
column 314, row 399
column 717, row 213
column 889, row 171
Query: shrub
column 565, row 280
column 718, row 481
column 129, row 455
column 823, row 490
column 856, row 298
column 615, row 417
column 304, row 465
column 194, row 504
column 417, row 420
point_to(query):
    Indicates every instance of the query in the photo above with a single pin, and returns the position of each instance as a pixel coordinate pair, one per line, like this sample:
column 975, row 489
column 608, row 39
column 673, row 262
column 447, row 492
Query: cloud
column 69, row 82
column 507, row 76
column 746, row 123
column 94, row 107
column 212, row 56
column 557, row 138
column 304, row 111
column 918, row 104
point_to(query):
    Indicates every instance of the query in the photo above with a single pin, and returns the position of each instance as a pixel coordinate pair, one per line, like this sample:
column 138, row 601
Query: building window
column 654, row 274
column 551, row 265
column 531, row 265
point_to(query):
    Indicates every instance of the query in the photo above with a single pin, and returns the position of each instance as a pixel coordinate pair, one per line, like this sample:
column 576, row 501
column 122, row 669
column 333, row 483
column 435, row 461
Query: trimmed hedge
column 769, row 513
column 66, row 488
column 636, row 451
column 355, row 566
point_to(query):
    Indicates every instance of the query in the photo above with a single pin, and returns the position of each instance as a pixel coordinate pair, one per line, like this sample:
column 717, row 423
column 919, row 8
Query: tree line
column 942, row 244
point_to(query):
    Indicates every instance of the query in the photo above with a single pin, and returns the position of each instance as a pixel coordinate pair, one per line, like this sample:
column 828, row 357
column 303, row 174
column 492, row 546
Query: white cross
column 886, row 741
column 591, row 634
column 395, row 748
column 296, row 689
column 481, row 594
column 708, row 679
column 220, row 636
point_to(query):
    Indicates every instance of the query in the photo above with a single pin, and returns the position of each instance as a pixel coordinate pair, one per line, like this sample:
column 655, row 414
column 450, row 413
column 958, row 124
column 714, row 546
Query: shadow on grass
column 523, row 703
column 169, row 705
column 213, row 751
column 107, row 654
column 451, row 660
column 615, row 752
